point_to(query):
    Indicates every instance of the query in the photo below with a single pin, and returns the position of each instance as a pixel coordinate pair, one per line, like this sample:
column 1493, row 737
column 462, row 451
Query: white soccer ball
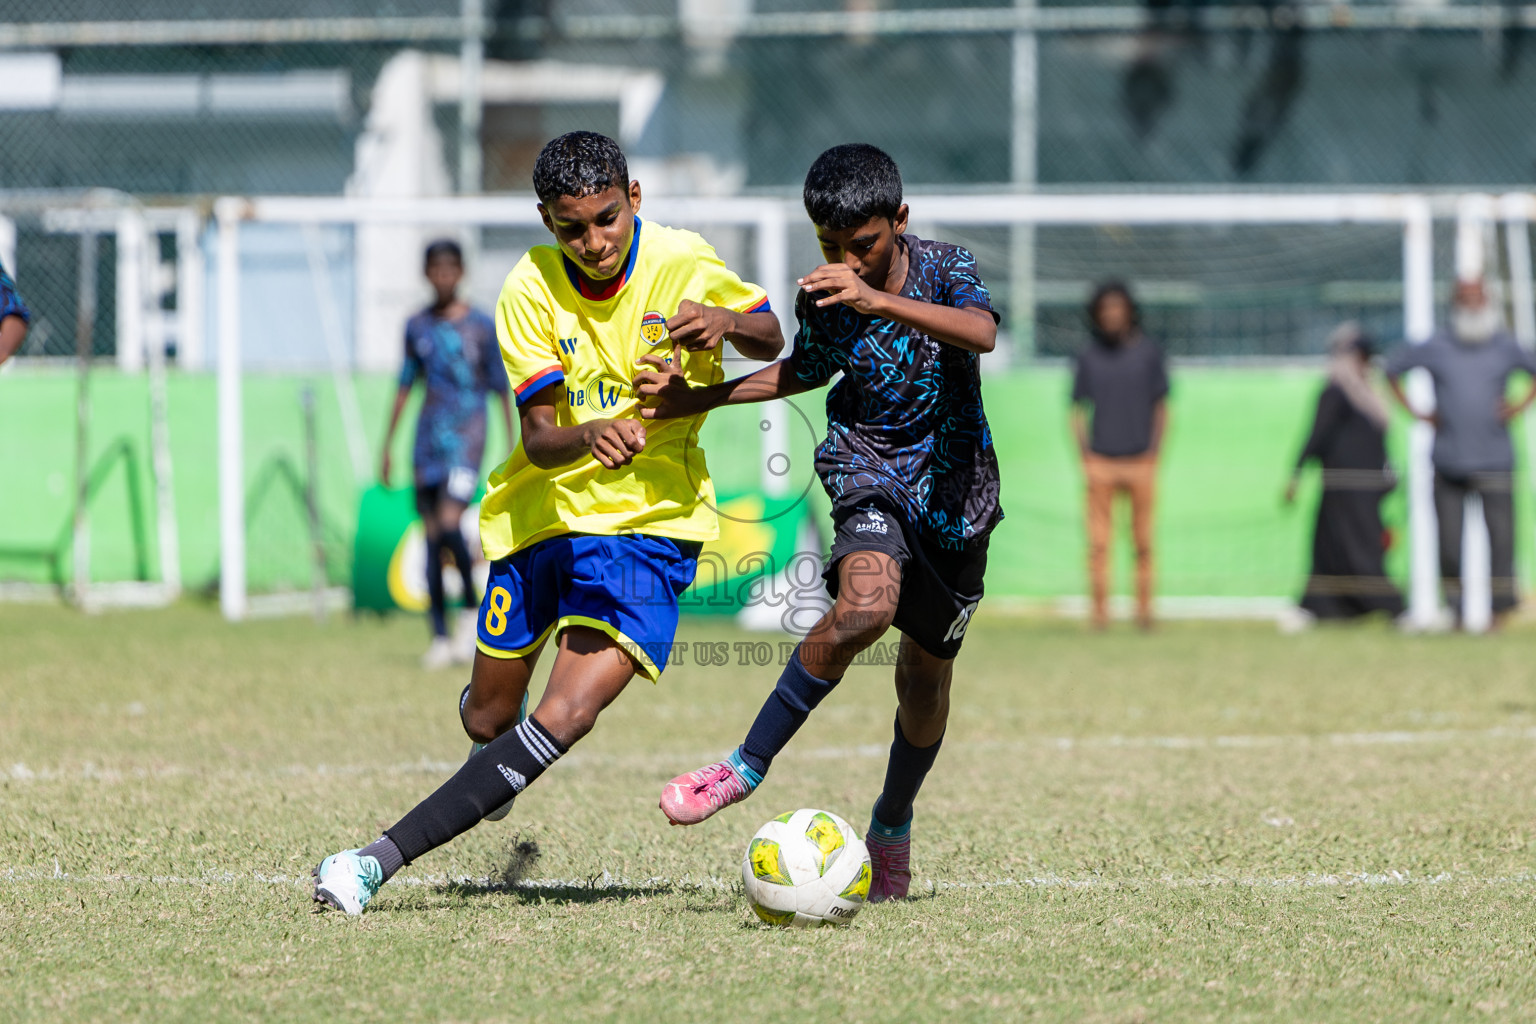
column 805, row 869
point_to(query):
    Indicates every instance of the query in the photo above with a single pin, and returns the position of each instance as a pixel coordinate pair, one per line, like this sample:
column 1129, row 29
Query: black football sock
column 388, row 855
column 435, row 587
column 453, row 542
column 904, row 775
column 784, row 712
column 508, row 765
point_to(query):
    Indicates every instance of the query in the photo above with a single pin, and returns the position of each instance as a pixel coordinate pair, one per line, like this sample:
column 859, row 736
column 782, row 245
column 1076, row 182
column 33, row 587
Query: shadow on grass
column 513, row 878
column 593, row 890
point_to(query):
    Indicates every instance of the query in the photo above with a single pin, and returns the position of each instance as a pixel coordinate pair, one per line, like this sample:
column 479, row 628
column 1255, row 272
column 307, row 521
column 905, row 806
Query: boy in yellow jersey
column 593, row 526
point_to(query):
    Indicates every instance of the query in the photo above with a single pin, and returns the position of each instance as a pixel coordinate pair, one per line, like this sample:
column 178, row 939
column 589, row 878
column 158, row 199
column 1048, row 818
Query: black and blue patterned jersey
column 906, row 419
column 461, row 364
column 10, row 302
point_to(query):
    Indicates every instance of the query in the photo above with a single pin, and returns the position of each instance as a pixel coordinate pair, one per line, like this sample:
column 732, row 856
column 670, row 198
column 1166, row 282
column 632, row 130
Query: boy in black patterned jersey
column 908, row 463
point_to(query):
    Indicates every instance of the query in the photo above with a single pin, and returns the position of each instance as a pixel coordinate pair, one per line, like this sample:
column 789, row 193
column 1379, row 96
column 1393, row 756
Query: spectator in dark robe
column 1348, row 440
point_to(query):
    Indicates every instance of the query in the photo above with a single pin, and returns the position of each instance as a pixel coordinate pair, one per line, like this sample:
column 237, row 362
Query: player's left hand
column 664, row 392
column 841, row 285
column 697, row 327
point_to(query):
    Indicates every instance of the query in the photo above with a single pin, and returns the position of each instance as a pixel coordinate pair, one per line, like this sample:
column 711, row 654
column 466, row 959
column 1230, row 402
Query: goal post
column 84, row 256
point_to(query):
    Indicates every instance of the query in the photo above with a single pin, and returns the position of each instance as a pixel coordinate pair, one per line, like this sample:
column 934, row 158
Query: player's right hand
column 615, row 443
column 664, row 392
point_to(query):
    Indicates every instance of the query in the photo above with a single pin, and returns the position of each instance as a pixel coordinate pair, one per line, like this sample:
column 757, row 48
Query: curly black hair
column 851, row 183
column 1104, row 291
column 444, row 247
column 579, row 164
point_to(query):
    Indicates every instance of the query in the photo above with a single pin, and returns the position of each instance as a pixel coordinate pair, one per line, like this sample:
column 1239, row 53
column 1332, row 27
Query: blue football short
column 626, row 586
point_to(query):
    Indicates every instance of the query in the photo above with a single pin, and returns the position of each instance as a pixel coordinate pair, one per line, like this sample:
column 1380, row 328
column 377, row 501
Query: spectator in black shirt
column 1348, row 439
column 1119, row 413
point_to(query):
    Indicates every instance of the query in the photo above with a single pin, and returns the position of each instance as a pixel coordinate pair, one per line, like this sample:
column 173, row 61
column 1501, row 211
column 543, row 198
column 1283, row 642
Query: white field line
column 21, row 772
column 611, row 883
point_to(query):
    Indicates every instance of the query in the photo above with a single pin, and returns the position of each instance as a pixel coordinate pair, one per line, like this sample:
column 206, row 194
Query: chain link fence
column 176, row 102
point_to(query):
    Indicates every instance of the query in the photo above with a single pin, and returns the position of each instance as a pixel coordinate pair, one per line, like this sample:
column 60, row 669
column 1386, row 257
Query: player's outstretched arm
column 699, row 327
column 966, row 327
column 666, row 394
column 612, row 442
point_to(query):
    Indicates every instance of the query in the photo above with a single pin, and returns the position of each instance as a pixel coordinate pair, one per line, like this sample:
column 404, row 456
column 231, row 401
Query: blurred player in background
column 595, row 522
column 1120, row 387
column 1349, row 441
column 1471, row 361
column 14, row 317
column 451, row 347
column 909, row 465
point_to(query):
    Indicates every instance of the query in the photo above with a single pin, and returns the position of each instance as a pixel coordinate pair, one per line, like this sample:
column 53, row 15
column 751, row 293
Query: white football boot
column 347, row 881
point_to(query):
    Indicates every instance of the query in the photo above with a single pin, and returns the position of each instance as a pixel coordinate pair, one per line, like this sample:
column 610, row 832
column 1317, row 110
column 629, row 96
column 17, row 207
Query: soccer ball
column 805, row 869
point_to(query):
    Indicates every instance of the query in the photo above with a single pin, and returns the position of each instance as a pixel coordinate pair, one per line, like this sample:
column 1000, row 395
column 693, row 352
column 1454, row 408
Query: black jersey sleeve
column 815, row 358
column 958, row 283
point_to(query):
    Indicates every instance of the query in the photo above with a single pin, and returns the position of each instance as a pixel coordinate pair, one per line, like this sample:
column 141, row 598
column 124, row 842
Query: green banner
column 757, row 539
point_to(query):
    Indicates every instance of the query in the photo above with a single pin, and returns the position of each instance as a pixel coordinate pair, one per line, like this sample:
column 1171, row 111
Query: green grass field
column 1209, row 823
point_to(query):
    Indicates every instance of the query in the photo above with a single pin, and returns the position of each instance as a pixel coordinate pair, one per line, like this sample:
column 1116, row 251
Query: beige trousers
column 1135, row 476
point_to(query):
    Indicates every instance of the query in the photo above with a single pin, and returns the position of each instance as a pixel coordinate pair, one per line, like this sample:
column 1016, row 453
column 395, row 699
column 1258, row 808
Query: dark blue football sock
column 453, row 543
column 785, row 710
column 904, row 775
column 435, row 587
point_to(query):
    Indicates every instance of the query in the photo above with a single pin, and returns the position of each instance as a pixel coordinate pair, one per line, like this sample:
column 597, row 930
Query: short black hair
column 579, row 164
column 444, row 247
column 1104, row 291
column 851, row 183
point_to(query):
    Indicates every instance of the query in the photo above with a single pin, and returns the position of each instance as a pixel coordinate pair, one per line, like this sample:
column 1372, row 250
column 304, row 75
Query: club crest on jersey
column 653, row 327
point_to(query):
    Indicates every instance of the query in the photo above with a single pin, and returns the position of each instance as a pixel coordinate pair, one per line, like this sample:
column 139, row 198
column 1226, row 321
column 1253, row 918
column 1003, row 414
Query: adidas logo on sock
column 519, row 783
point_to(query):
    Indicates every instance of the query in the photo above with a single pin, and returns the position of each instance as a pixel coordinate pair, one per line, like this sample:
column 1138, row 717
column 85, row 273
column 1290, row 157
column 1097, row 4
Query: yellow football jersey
column 554, row 331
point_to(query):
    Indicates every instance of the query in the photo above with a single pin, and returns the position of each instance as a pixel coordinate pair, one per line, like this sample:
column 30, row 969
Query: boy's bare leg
column 869, row 588
column 922, row 712
column 495, row 695
column 922, row 694
column 591, row 669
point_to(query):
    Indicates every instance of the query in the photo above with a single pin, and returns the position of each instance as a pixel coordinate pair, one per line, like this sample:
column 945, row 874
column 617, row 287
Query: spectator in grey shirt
column 1471, row 364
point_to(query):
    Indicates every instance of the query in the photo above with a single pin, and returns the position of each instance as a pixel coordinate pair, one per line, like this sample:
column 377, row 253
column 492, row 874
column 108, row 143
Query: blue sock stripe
column 746, row 771
column 882, row 833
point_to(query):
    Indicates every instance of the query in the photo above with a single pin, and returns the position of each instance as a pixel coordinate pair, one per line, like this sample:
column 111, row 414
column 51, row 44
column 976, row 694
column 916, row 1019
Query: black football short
column 460, row 486
column 938, row 590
